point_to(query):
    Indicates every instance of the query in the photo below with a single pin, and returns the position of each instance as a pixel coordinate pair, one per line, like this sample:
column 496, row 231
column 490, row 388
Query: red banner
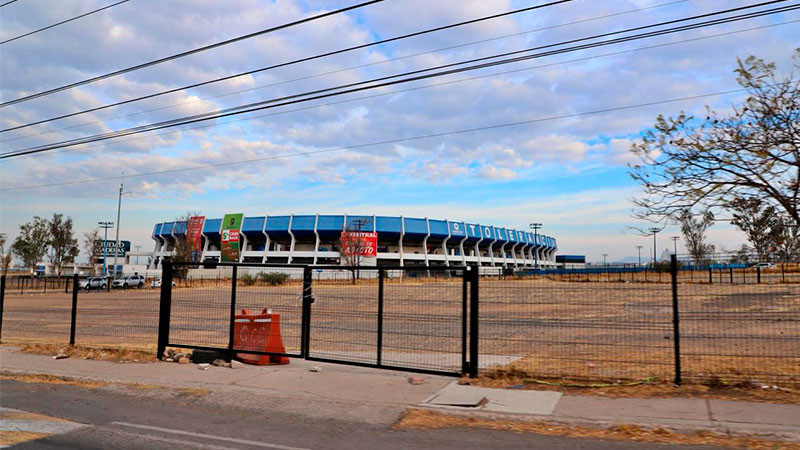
column 193, row 231
column 355, row 243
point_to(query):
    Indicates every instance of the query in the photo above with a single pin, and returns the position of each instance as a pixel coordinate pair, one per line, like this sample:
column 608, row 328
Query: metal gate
column 419, row 319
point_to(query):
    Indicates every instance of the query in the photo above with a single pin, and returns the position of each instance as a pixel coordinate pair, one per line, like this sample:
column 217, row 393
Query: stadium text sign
column 231, row 224
column 361, row 243
column 99, row 244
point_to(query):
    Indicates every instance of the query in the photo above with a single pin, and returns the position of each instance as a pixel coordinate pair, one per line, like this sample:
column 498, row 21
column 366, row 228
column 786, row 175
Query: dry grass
column 95, row 353
column 425, row 419
column 645, row 389
column 53, row 379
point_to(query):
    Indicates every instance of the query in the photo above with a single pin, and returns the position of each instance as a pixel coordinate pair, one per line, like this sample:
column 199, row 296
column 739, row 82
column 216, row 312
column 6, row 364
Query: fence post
column 164, row 308
column 758, row 275
column 473, row 324
column 305, row 321
column 66, row 285
column 2, row 302
column 464, row 307
column 74, row 317
column 710, row 276
column 730, row 269
column 676, row 329
column 381, row 273
column 232, row 319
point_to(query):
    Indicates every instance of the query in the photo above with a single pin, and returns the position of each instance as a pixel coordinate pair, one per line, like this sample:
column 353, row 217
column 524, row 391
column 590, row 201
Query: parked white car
column 94, row 283
column 128, row 282
column 763, row 265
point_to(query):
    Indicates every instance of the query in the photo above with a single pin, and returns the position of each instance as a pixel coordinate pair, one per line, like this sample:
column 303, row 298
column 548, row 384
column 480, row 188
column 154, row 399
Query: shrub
column 274, row 278
column 248, row 280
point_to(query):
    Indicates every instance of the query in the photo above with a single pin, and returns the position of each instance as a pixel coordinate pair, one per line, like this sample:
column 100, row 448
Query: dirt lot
column 543, row 329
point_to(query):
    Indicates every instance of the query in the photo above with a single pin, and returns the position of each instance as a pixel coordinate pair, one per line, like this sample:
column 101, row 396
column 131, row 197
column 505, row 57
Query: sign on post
column 231, row 224
column 359, row 243
column 111, row 248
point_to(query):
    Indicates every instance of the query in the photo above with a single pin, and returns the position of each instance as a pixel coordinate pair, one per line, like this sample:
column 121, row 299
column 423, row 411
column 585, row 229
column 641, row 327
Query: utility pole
column 535, row 227
column 675, row 243
column 604, row 259
column 655, row 257
column 639, row 248
column 105, row 226
column 116, row 246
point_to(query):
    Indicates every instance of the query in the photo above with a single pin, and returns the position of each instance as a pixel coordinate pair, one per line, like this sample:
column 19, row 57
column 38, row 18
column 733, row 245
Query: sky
column 562, row 167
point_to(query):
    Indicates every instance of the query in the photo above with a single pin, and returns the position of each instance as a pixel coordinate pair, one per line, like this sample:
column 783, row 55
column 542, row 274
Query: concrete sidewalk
column 380, row 396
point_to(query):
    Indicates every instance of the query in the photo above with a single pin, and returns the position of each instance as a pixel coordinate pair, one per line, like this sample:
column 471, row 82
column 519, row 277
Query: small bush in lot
column 274, row 278
column 248, row 280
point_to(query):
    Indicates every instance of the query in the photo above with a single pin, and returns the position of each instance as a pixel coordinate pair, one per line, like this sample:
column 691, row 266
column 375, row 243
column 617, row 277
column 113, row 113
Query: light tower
column 535, row 227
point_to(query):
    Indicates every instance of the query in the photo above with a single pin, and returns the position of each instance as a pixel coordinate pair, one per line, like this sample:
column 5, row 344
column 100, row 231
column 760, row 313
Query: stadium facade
column 397, row 241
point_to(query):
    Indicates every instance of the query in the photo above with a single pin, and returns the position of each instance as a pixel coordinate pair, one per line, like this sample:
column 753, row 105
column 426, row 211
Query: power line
column 352, row 87
column 187, row 53
column 288, row 63
column 8, row 3
column 372, row 144
column 63, row 22
column 326, row 73
column 587, row 58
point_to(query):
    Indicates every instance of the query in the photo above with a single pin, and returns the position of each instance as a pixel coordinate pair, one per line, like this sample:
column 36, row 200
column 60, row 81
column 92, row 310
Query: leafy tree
column 757, row 222
column 62, row 241
column 787, row 240
column 31, row 244
column 5, row 257
column 89, row 239
column 694, row 229
column 751, row 152
column 742, row 255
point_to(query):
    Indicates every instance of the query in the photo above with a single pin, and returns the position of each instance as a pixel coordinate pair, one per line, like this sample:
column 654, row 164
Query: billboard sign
column 110, row 246
column 359, row 243
column 194, row 230
column 231, row 224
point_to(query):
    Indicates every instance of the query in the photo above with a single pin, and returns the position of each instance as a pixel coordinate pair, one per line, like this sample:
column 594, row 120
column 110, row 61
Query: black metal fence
column 673, row 325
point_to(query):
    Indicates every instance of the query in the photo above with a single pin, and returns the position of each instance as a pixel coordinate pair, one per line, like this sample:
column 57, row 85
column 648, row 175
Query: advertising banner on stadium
column 194, row 229
column 231, row 224
column 359, row 243
column 110, row 246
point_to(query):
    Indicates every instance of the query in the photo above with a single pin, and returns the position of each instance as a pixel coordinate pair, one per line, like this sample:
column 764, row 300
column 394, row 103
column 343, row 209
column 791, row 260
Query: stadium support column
column 425, row 242
column 316, row 238
column 266, row 240
column 461, row 246
column 477, row 245
column 291, row 244
column 402, row 234
column 514, row 254
column 444, row 244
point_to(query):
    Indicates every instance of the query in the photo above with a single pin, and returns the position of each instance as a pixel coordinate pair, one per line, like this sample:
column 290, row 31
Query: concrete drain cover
column 462, row 398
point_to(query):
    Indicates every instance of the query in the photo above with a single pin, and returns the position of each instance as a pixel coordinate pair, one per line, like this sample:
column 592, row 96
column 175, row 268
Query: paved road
column 123, row 421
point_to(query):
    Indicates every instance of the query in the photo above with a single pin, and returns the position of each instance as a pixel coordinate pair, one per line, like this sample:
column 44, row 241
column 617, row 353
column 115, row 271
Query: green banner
column 231, row 224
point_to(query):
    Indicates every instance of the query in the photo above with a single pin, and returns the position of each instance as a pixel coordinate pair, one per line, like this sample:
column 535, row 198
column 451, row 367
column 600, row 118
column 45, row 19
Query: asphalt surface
column 153, row 421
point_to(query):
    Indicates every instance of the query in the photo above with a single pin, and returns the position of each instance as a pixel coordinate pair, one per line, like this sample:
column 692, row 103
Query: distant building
column 571, row 261
column 393, row 241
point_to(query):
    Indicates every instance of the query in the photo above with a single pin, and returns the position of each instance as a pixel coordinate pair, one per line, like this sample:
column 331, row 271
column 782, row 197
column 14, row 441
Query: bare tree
column 5, row 257
column 62, row 241
column 694, row 234
column 182, row 251
column 787, row 241
column 756, row 222
column 90, row 238
column 352, row 246
column 752, row 152
column 31, row 244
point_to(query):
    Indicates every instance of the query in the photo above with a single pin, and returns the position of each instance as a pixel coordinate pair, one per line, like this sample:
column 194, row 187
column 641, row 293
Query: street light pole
column 105, row 226
column 639, row 248
column 535, row 227
column 655, row 257
column 358, row 224
column 116, row 245
column 604, row 259
column 675, row 243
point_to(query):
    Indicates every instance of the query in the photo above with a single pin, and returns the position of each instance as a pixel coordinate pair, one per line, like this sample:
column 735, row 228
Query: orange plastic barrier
column 261, row 333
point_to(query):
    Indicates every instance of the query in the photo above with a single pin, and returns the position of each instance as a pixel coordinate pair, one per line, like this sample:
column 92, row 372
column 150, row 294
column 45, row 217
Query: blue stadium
column 401, row 241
